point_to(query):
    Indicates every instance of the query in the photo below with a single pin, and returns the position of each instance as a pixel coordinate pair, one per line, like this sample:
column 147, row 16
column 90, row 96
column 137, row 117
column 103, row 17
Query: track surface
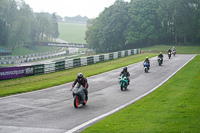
column 51, row 110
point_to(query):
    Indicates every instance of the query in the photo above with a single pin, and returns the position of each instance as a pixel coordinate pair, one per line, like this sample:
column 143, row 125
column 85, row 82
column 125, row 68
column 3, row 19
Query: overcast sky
column 71, row 8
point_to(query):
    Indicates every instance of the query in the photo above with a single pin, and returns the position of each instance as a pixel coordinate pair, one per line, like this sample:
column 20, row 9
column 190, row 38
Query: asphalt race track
column 51, row 110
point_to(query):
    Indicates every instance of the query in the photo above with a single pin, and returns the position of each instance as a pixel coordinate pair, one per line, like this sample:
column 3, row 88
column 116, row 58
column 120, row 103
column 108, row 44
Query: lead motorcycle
column 123, row 81
column 79, row 96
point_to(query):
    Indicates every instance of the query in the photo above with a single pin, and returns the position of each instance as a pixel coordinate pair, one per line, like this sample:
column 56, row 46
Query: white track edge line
column 127, row 104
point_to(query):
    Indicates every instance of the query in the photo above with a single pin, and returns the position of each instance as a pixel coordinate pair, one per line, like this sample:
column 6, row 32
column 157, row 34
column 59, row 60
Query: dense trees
column 105, row 33
column 18, row 24
column 144, row 22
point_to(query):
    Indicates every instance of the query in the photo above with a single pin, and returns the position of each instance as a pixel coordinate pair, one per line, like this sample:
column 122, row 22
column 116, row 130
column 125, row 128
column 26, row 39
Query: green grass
column 37, row 49
column 179, row 49
column 27, row 84
column 72, row 32
column 173, row 107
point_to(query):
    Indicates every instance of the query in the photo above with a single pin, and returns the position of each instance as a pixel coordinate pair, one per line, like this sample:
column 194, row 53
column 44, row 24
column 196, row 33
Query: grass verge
column 173, row 107
column 27, row 84
column 179, row 49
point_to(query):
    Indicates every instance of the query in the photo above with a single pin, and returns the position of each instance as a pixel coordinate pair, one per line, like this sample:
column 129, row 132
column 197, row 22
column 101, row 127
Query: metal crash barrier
column 62, row 65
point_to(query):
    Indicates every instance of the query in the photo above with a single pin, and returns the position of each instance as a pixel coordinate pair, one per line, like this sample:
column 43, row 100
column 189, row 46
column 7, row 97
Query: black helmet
column 125, row 68
column 80, row 76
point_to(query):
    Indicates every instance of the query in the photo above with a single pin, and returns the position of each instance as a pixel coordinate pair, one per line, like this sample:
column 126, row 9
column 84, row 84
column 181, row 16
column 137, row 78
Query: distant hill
column 76, row 19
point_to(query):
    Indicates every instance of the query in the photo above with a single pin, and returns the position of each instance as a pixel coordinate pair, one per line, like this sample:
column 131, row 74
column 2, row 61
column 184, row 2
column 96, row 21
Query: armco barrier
column 49, row 68
column 115, row 55
column 135, row 51
column 39, row 69
column 69, row 64
column 111, row 56
column 83, row 61
column 106, row 57
column 122, row 53
column 59, row 66
column 101, row 58
column 126, row 53
column 90, row 60
column 119, row 54
column 96, row 58
column 77, row 62
column 132, row 52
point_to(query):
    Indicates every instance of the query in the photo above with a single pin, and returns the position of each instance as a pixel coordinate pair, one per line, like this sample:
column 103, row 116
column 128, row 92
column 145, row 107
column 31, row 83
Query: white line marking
column 127, row 104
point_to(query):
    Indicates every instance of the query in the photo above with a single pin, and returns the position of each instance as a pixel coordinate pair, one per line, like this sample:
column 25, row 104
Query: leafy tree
column 105, row 33
column 144, row 26
column 55, row 26
column 18, row 24
column 43, row 26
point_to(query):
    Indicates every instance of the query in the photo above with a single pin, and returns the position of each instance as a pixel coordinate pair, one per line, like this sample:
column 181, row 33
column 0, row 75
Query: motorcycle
column 123, row 81
column 146, row 67
column 79, row 96
column 174, row 52
column 169, row 54
column 160, row 61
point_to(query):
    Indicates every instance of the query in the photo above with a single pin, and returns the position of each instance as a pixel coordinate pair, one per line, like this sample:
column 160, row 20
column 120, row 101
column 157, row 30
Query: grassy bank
column 26, row 84
column 173, row 107
column 72, row 32
column 179, row 49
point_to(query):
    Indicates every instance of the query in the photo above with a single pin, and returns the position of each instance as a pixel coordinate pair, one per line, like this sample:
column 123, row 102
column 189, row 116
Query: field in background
column 173, row 107
column 179, row 49
column 72, row 32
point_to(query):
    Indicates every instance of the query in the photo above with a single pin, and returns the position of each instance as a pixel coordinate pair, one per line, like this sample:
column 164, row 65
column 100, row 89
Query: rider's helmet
column 125, row 68
column 80, row 76
column 147, row 57
column 160, row 52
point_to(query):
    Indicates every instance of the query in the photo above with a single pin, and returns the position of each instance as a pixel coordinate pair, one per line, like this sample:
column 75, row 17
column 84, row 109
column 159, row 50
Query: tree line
column 19, row 24
column 76, row 19
column 141, row 23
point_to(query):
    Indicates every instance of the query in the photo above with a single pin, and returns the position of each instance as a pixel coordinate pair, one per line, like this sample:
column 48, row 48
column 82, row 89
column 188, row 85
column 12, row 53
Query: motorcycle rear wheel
column 84, row 102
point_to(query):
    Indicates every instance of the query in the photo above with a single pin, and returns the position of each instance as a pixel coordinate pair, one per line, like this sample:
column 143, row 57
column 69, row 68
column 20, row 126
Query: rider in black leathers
column 125, row 73
column 81, row 81
column 161, row 56
column 169, row 50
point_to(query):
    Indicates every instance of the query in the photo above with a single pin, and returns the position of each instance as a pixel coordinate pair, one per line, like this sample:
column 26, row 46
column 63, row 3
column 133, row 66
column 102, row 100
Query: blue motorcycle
column 123, row 81
column 146, row 65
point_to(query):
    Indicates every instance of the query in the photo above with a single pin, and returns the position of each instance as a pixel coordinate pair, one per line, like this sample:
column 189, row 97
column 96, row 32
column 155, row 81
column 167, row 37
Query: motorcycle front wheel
column 121, row 87
column 146, row 70
column 76, row 102
column 159, row 63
